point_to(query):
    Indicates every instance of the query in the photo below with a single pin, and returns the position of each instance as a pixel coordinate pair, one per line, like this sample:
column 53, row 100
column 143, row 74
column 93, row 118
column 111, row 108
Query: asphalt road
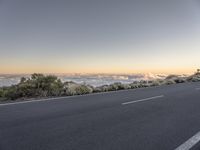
column 158, row 118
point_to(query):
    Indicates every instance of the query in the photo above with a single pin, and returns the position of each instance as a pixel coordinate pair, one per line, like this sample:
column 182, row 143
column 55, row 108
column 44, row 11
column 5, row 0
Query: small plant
column 198, row 71
column 1, row 93
column 39, row 85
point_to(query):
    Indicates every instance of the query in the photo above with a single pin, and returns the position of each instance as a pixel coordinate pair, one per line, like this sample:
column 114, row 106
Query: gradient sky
column 99, row 36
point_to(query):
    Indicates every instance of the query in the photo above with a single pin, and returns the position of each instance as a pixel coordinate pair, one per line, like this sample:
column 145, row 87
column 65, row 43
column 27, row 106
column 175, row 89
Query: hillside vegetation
column 39, row 86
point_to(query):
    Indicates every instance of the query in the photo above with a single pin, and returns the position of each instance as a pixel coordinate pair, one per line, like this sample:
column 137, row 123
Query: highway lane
column 153, row 118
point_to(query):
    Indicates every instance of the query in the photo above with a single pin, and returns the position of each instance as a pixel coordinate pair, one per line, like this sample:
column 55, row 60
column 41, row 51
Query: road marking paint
column 75, row 96
column 58, row 98
column 141, row 100
column 190, row 143
column 31, row 101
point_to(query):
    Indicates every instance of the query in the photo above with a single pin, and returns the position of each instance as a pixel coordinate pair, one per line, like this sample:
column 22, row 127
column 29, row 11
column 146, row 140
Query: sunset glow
column 77, row 37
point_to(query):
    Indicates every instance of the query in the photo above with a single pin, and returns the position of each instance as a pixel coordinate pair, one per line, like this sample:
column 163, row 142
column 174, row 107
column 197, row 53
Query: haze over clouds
column 99, row 36
column 91, row 79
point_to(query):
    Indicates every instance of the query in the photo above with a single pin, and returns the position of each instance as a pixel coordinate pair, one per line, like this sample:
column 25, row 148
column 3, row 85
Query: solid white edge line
column 190, row 143
column 64, row 97
column 31, row 101
column 74, row 96
column 141, row 100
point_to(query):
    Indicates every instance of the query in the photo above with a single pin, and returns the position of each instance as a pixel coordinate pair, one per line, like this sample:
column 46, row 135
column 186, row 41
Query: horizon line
column 139, row 73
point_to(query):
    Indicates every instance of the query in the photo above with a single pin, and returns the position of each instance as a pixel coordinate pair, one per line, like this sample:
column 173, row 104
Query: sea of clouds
column 91, row 79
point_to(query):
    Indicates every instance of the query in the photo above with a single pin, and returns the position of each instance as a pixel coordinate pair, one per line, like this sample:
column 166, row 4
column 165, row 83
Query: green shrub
column 176, row 79
column 115, row 86
column 83, row 89
column 39, row 85
column 133, row 85
column 11, row 93
column 194, row 78
column 71, row 88
column 169, row 82
column 97, row 90
column 169, row 77
column 155, row 83
column 103, row 88
column 2, row 93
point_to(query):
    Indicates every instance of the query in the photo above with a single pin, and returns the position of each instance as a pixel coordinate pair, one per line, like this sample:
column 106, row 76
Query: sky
column 99, row 36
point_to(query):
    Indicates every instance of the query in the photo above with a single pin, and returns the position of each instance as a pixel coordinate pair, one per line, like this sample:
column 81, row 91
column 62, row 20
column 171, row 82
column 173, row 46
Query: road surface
column 157, row 118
